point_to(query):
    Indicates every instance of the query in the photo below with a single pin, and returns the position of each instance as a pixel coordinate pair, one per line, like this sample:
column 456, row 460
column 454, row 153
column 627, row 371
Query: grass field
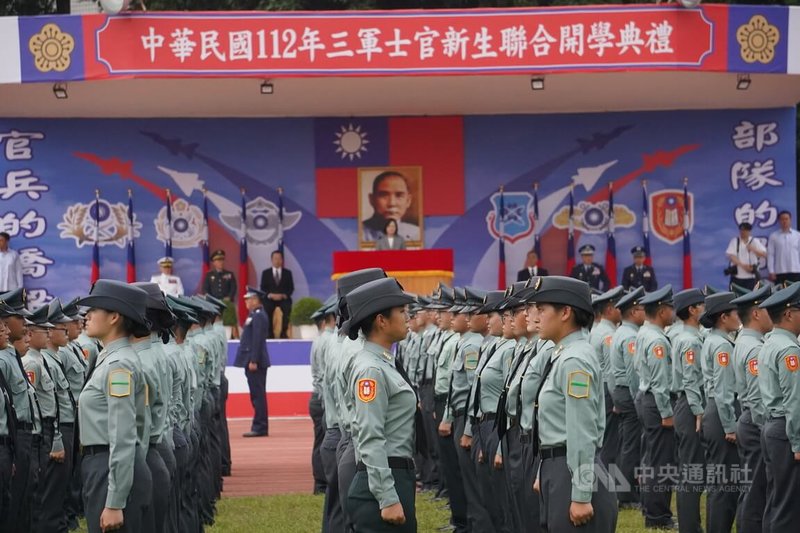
column 300, row 513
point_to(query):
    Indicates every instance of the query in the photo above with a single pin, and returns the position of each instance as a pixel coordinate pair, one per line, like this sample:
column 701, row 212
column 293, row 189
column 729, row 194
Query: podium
column 419, row 271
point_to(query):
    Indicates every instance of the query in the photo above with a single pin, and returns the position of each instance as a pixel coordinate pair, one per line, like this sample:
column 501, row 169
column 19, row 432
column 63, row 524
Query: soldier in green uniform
column 116, row 480
column 8, row 433
column 381, row 496
column 779, row 381
column 422, row 377
column 653, row 362
column 756, row 323
column 687, row 388
column 325, row 319
column 221, row 284
column 600, row 337
column 719, row 419
column 570, row 414
column 626, row 387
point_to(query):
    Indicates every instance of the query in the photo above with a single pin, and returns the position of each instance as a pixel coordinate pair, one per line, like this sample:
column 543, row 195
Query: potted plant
column 301, row 316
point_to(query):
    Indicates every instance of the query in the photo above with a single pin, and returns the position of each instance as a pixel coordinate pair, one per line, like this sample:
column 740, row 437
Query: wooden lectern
column 419, row 271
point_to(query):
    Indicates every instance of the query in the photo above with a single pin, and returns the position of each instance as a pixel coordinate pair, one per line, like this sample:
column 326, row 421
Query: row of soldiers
column 699, row 392
column 137, row 441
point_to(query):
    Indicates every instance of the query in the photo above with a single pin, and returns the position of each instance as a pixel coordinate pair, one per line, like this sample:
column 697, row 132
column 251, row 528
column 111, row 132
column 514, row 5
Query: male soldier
column 253, row 357
column 325, row 320
column 779, row 381
column 600, row 338
column 168, row 282
column 221, row 284
column 654, row 365
column 626, row 387
column 719, row 419
column 687, row 387
column 756, row 323
column 589, row 271
column 638, row 274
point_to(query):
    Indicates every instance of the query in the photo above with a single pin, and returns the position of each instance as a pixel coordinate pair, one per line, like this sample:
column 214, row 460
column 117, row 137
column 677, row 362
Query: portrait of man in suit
column 278, row 285
column 390, row 193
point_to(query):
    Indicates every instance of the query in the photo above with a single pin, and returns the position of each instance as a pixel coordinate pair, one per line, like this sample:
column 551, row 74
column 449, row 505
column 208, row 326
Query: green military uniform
column 687, row 389
column 600, row 338
column 7, row 438
column 653, row 362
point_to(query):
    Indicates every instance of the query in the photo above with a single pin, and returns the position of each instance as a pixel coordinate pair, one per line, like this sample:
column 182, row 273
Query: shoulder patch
column 578, row 384
column 792, row 362
column 367, row 390
column 31, row 376
column 632, row 347
column 659, row 352
column 752, row 366
column 607, row 340
column 119, row 383
column 723, row 358
column 85, row 353
column 471, row 360
column 689, row 357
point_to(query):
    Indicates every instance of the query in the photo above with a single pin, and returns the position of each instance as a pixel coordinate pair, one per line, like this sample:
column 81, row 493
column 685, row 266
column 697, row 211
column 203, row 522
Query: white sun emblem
column 351, row 141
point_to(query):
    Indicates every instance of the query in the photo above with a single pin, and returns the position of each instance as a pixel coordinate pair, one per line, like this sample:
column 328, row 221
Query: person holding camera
column 744, row 252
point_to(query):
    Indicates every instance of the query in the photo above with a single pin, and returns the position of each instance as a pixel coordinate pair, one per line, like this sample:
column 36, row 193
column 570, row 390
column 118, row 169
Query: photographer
column 744, row 253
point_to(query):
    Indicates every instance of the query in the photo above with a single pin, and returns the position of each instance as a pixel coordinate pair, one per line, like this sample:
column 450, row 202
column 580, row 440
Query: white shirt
column 391, row 241
column 170, row 285
column 10, row 271
column 783, row 252
column 744, row 255
column 276, row 274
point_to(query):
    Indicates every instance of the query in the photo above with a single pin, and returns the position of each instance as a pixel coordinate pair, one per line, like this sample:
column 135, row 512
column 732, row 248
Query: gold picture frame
column 411, row 217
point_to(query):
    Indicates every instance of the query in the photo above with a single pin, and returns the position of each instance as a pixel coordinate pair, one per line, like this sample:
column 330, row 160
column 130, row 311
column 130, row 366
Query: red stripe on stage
column 278, row 403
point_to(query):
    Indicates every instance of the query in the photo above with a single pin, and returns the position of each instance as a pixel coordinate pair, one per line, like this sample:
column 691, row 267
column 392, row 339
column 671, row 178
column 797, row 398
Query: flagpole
column 571, row 232
column 537, row 245
column 168, row 245
column 205, row 244
column 243, row 259
column 131, row 244
column 501, row 265
column 95, row 274
column 611, row 245
column 687, row 245
column 280, row 220
column 648, row 260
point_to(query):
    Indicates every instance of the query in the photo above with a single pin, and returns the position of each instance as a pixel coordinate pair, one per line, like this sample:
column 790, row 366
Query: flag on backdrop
column 96, row 248
column 537, row 245
column 687, row 245
column 571, row 235
column 131, row 270
column 243, row 268
column 611, row 245
column 280, row 220
column 204, row 243
column 648, row 260
column 168, row 244
column 501, row 264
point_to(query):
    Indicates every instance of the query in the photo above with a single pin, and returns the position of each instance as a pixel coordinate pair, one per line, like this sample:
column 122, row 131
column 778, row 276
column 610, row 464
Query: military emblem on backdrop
column 106, row 220
column 188, row 228
column 592, row 217
column 263, row 221
column 517, row 220
column 667, row 212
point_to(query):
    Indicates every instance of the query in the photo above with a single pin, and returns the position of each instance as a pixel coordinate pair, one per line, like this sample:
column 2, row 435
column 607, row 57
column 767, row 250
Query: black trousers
column 366, row 513
column 630, row 435
column 783, row 512
column 723, row 491
column 225, row 436
column 95, row 489
column 156, row 514
column 346, row 471
column 5, row 484
column 429, row 468
column 753, row 499
column 660, row 458
column 555, row 481
column 491, row 481
column 54, row 485
column 286, row 309
column 477, row 515
column 611, row 438
column 513, row 468
column 747, row 283
column 690, row 455
column 332, row 515
column 451, row 470
column 791, row 278
column 317, row 412
column 257, row 383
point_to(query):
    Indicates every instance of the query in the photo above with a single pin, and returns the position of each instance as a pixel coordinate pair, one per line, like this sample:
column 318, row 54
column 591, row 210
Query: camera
column 730, row 271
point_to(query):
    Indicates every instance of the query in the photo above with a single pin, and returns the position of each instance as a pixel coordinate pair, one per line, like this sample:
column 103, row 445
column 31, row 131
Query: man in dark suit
column 252, row 355
column 589, row 271
column 638, row 274
column 278, row 284
column 531, row 269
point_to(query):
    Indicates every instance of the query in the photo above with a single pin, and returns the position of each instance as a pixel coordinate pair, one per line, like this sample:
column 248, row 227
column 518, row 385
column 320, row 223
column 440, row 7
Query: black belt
column 459, row 412
column 776, row 417
column 6, row 440
column 94, row 450
column 403, row 463
column 487, row 417
column 25, row 425
column 552, row 453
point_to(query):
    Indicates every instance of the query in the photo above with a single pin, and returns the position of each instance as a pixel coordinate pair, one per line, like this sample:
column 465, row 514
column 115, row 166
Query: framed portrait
column 390, row 194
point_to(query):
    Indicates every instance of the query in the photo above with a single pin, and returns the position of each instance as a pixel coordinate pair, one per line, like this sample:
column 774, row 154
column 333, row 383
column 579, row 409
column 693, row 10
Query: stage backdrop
column 740, row 165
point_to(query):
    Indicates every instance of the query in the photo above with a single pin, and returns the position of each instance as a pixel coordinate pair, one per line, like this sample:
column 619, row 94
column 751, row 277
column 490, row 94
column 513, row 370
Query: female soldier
column 571, row 414
column 381, row 496
column 116, row 480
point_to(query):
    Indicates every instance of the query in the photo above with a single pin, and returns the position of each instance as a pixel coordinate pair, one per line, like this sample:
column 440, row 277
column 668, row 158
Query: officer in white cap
column 589, row 271
column 168, row 282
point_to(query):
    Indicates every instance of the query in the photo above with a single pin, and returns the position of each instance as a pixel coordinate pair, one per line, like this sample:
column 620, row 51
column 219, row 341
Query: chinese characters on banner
column 386, row 43
column 755, row 172
column 21, row 180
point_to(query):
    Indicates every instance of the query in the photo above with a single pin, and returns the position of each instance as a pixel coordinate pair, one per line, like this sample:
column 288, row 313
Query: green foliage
column 302, row 311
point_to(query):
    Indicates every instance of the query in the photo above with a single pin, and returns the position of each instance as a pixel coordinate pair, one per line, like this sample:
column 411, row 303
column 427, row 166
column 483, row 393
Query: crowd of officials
column 112, row 408
column 549, row 407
